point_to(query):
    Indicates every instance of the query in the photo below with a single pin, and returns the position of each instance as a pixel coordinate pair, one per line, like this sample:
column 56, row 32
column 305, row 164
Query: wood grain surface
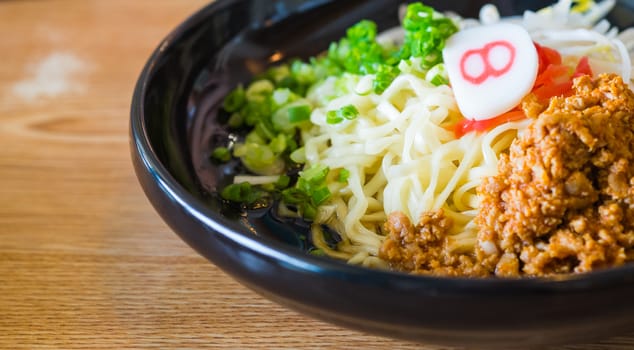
column 85, row 262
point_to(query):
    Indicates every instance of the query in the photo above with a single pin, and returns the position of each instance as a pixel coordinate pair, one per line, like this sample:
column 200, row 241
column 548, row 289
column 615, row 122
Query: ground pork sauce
column 562, row 201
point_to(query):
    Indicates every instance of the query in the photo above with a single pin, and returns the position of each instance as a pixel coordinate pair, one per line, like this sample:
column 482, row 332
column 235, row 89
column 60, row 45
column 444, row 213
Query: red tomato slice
column 553, row 74
column 547, row 91
column 546, row 56
column 583, row 68
column 467, row 125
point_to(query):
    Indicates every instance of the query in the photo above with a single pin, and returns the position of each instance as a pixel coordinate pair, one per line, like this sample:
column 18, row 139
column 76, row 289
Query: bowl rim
column 297, row 259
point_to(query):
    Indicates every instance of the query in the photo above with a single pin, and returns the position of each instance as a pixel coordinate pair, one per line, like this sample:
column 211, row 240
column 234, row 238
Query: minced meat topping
column 424, row 248
column 562, row 202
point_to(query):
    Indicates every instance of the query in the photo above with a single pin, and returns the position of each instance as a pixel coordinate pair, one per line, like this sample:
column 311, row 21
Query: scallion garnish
column 235, row 100
column 241, row 193
column 221, row 154
column 309, row 192
column 299, row 113
column 343, row 175
column 348, row 112
column 425, row 34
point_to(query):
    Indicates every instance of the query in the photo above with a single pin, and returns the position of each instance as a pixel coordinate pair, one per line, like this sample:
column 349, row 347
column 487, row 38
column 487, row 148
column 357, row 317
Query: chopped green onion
column 439, row 80
column 290, row 116
column 265, row 130
column 282, row 182
column 309, row 192
column 317, row 252
column 315, row 174
column 221, row 154
column 299, row 155
column 278, row 144
column 235, row 100
column 256, row 110
column 337, row 116
column 293, row 196
column 358, row 52
column 236, row 120
column 278, row 73
column 325, row 67
column 333, row 118
column 253, row 137
column 384, row 76
column 241, row 192
column 365, row 30
column 281, row 97
column 349, row 112
column 437, row 75
column 343, row 175
column 291, row 144
column 259, row 89
column 320, row 195
column 304, row 73
column 299, row 113
column 425, row 34
column 309, row 211
column 259, row 158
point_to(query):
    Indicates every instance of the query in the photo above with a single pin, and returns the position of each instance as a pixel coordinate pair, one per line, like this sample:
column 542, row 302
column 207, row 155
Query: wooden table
column 85, row 262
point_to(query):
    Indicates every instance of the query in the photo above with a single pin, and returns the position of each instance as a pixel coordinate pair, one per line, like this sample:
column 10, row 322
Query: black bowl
column 174, row 124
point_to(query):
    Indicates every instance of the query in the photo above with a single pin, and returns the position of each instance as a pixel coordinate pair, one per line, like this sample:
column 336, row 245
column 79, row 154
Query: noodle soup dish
column 426, row 171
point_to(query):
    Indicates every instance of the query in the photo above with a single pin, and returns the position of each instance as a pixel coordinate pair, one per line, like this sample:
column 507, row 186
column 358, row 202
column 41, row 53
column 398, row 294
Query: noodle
column 401, row 157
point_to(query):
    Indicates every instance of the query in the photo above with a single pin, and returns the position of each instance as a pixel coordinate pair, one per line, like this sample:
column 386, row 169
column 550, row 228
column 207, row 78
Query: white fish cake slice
column 491, row 68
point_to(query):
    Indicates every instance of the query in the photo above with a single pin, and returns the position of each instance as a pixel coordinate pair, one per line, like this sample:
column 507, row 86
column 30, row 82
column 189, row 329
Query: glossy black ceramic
column 174, row 123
